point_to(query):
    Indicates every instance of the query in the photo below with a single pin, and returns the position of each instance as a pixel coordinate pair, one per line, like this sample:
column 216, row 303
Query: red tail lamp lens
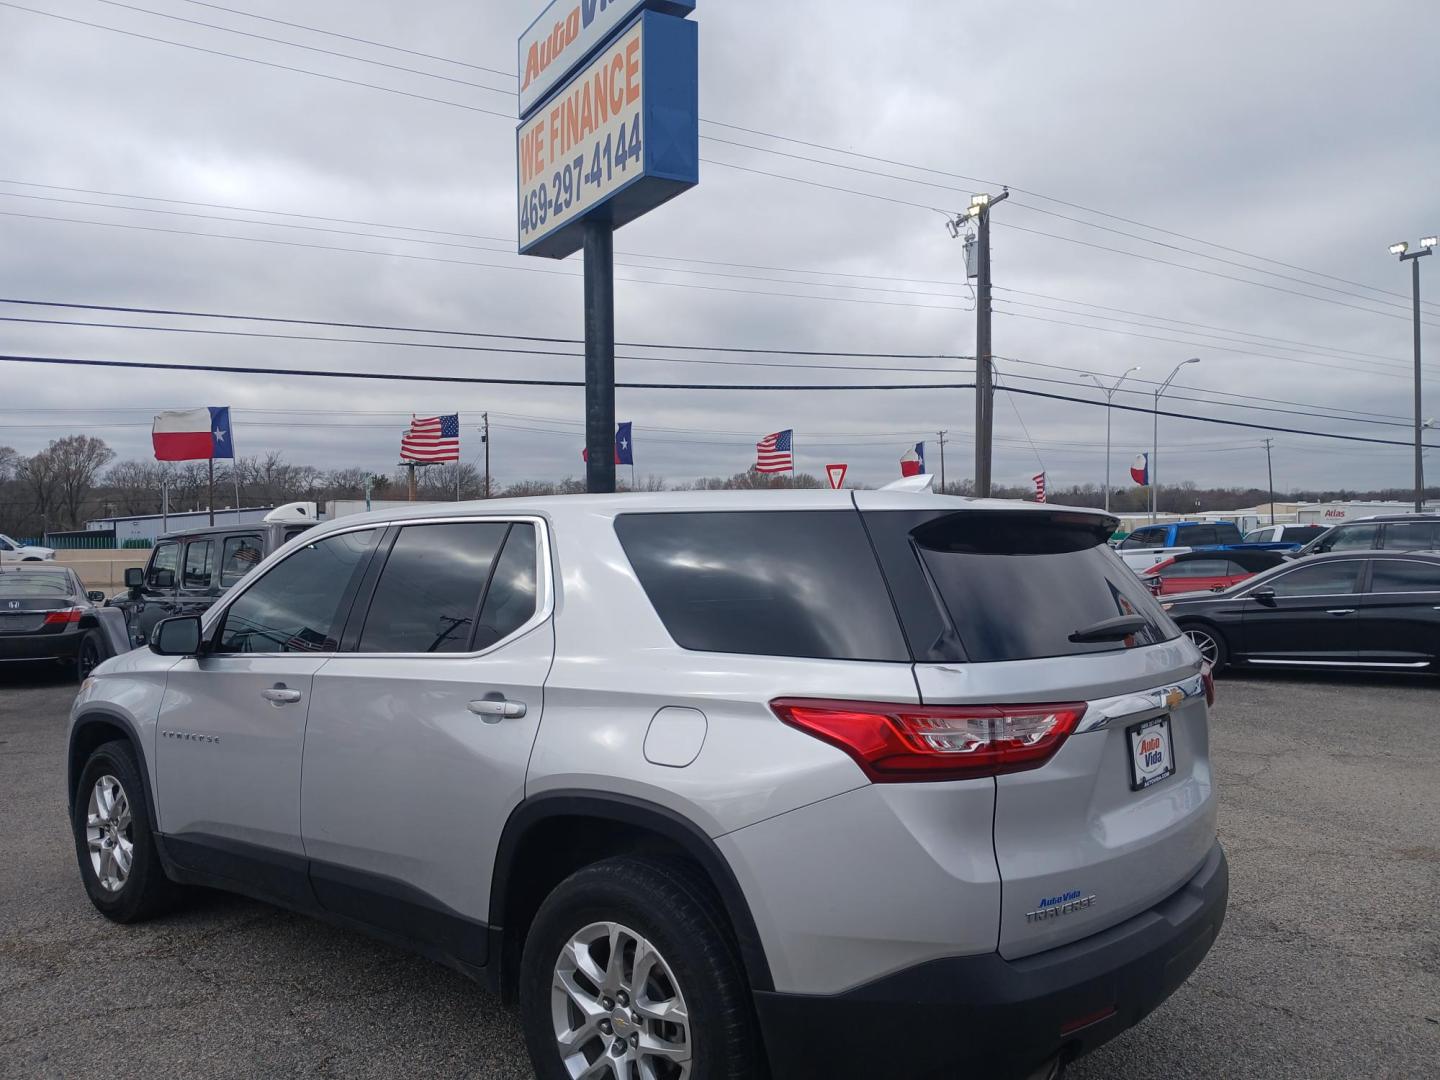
column 69, row 615
column 898, row 743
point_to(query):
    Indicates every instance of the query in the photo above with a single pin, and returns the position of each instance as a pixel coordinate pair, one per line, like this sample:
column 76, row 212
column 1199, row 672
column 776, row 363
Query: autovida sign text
column 565, row 34
column 619, row 138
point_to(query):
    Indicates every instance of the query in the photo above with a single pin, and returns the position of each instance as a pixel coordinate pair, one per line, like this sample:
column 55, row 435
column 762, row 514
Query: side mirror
column 134, row 578
column 164, row 579
column 1264, row 595
column 95, row 596
column 178, row 636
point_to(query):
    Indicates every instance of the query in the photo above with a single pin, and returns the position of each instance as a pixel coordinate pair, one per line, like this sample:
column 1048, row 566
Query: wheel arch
column 92, row 730
column 549, row 836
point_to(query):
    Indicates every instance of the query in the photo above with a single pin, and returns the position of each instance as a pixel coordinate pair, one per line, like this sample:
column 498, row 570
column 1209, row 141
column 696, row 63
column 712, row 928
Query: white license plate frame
column 1150, row 766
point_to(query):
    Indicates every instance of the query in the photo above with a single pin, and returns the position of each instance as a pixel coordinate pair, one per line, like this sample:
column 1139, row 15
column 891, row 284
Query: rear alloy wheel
column 614, row 997
column 89, row 655
column 630, row 972
column 1211, row 645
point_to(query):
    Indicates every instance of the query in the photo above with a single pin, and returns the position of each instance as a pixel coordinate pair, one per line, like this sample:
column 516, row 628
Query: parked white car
column 14, row 551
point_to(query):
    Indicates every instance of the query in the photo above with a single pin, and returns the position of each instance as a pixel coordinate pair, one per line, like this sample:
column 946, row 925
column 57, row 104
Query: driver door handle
column 1340, row 611
column 495, row 709
column 279, row 695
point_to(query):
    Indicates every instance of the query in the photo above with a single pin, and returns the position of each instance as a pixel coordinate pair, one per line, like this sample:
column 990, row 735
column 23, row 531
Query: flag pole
column 212, row 488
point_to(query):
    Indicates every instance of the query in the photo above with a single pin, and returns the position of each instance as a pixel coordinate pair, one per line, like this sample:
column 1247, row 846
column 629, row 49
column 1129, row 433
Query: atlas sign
column 618, row 139
column 565, row 35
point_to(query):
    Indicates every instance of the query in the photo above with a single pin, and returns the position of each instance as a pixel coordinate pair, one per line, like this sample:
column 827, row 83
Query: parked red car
column 1207, row 571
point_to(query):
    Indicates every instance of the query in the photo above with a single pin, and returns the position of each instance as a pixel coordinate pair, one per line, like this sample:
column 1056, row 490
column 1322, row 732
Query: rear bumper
column 28, row 647
column 995, row 1017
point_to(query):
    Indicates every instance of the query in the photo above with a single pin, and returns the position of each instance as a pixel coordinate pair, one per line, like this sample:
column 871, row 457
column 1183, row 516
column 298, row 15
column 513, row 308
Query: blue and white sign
column 620, row 138
column 565, row 35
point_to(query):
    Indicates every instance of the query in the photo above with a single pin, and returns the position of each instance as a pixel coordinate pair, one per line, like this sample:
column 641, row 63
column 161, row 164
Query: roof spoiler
column 922, row 482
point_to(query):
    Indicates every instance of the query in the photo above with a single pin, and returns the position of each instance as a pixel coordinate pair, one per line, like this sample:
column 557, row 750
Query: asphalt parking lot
column 1328, row 966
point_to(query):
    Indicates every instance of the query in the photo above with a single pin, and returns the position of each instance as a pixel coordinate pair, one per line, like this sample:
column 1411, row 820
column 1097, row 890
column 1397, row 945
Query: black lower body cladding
column 988, row 1016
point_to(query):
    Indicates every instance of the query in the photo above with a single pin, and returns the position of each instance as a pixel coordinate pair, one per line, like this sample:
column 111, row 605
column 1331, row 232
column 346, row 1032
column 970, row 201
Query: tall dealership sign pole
column 609, row 130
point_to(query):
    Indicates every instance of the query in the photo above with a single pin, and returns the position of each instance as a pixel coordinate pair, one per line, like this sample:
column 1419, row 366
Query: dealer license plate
column 1152, row 758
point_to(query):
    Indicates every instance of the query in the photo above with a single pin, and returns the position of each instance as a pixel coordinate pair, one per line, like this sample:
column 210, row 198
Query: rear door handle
column 496, row 709
column 1340, row 611
column 279, row 695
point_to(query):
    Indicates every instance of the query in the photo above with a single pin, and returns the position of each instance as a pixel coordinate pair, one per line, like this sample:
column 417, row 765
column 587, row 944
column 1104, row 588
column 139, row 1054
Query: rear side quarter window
column 766, row 583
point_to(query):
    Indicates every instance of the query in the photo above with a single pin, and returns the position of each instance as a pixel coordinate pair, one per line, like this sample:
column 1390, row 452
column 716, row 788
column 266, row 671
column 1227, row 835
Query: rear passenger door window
column 766, row 583
column 428, row 597
column 1397, row 576
column 1200, row 536
column 510, row 601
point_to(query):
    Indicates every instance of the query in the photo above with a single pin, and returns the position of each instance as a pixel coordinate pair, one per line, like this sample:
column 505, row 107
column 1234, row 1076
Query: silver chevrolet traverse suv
column 716, row 785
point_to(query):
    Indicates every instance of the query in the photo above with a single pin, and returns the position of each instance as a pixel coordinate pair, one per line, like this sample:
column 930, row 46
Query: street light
column 1109, row 392
column 1402, row 249
column 1155, row 437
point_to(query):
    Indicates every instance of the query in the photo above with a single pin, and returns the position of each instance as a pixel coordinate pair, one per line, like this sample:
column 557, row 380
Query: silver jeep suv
column 714, row 784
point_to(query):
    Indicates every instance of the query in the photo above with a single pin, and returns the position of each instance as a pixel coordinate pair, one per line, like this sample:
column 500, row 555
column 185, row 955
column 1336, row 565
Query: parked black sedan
column 46, row 614
column 1357, row 609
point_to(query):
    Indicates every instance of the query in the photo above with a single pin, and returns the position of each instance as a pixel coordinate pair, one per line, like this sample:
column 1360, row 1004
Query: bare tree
column 77, row 461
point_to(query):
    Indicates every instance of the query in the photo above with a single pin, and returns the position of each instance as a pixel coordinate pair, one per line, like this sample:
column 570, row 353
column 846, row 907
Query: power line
column 1184, row 341
column 323, row 373
column 547, row 353
column 470, row 262
column 308, row 48
column 253, row 60
column 1365, row 365
column 536, row 339
column 349, row 37
column 231, row 369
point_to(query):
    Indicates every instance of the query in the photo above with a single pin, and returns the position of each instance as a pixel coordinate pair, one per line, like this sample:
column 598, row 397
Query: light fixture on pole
column 1155, row 437
column 1109, row 392
column 1402, row 249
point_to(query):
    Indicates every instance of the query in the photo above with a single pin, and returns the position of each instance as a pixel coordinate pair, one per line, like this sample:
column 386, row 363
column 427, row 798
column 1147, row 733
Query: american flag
column 432, row 439
column 772, row 453
column 1040, row 487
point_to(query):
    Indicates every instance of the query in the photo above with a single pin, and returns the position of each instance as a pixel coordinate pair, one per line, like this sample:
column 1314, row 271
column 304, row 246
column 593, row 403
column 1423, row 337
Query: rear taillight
column 69, row 615
column 898, row 743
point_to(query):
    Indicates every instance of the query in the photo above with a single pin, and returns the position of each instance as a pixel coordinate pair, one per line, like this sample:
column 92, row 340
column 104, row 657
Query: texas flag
column 1140, row 469
column 912, row 462
column 624, row 446
column 193, row 435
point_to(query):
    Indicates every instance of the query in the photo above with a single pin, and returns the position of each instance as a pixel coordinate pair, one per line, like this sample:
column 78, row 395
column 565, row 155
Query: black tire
column 91, row 652
column 1198, row 632
column 145, row 890
column 674, row 909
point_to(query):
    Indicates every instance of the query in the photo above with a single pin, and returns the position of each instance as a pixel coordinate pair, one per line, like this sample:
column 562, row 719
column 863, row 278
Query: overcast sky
column 1300, row 131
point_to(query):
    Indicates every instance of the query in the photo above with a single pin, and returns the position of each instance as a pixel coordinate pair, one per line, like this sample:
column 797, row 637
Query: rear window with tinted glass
column 769, row 583
column 989, row 586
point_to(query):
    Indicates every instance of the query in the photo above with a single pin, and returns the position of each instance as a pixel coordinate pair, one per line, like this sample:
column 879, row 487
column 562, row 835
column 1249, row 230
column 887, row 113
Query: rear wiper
column 1121, row 626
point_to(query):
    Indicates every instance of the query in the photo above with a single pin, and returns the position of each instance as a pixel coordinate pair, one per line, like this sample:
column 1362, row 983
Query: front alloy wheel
column 109, row 833
column 617, row 1010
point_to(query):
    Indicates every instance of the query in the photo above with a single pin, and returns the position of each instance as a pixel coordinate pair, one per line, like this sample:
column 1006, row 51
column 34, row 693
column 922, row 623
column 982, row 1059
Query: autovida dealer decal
column 1052, row 907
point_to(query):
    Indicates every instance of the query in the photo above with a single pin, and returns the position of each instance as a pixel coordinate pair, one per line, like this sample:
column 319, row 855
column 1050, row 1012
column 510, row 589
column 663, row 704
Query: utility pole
column 1427, row 244
column 979, row 213
column 1270, row 479
column 941, row 436
column 485, row 438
